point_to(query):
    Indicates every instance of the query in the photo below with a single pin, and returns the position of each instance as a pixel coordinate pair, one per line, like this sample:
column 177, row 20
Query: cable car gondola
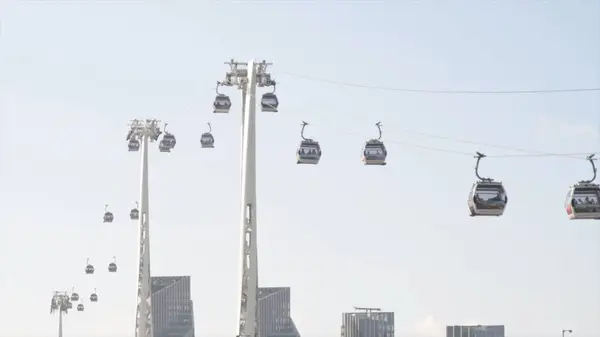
column 487, row 197
column 583, row 199
column 309, row 150
column 222, row 103
column 269, row 101
column 80, row 307
column 374, row 151
column 168, row 141
column 207, row 140
column 94, row 296
column 89, row 268
column 108, row 216
column 74, row 295
column 134, row 214
column 133, row 145
column 112, row 267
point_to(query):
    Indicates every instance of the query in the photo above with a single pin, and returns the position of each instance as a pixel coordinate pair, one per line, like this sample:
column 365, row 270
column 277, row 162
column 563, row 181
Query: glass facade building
column 368, row 324
column 274, row 313
column 475, row 331
column 172, row 307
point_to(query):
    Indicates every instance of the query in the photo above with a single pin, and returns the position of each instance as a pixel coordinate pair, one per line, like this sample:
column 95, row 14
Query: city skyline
column 74, row 73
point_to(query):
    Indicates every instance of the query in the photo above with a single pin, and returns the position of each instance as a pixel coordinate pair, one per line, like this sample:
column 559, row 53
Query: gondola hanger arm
column 304, row 124
column 591, row 159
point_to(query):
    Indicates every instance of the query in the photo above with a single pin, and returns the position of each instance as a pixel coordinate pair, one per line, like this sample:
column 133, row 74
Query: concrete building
column 367, row 322
column 475, row 331
column 172, row 307
column 274, row 313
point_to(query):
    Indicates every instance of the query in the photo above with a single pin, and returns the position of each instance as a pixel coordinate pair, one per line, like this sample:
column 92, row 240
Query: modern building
column 367, row 322
column 475, row 331
column 274, row 313
column 172, row 307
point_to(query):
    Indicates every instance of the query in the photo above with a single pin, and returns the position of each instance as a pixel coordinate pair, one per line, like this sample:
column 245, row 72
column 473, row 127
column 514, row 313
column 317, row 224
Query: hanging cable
column 528, row 153
column 578, row 156
column 438, row 91
column 537, row 153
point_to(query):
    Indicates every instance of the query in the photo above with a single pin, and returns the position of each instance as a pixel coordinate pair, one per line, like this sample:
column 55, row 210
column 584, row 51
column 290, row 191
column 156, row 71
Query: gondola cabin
column 134, row 145
column 134, row 214
column 269, row 102
column 374, row 153
column 309, row 152
column 222, row 104
column 207, row 140
column 168, row 141
column 163, row 147
column 487, row 198
column 583, row 201
column 108, row 217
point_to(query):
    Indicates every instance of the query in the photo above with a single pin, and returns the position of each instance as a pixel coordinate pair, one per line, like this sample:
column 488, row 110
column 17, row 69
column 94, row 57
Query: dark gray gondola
column 94, row 296
column 89, row 268
column 134, row 214
column 583, row 199
column 168, row 142
column 309, row 150
column 80, row 307
column 112, row 267
column 222, row 102
column 133, row 145
column 207, row 140
column 74, row 296
column 487, row 197
column 108, row 216
column 374, row 151
column 269, row 102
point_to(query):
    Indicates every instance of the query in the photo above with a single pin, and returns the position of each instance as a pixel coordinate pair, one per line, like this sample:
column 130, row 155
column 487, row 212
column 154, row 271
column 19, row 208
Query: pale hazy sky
column 72, row 73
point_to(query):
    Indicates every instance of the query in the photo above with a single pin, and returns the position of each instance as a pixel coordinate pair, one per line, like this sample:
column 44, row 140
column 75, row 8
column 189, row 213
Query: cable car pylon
column 248, row 76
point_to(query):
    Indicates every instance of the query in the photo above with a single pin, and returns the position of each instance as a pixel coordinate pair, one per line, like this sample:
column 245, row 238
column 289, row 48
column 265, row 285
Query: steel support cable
column 580, row 156
column 442, row 91
column 529, row 153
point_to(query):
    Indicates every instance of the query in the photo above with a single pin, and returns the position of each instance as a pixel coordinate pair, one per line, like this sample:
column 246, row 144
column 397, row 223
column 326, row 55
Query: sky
column 73, row 73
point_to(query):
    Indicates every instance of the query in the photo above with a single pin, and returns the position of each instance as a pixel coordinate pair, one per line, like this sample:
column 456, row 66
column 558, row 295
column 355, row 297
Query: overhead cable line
column 579, row 156
column 442, row 91
column 527, row 153
column 531, row 152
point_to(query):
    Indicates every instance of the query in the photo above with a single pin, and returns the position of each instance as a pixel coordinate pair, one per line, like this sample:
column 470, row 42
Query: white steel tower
column 142, row 133
column 60, row 302
column 247, row 76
